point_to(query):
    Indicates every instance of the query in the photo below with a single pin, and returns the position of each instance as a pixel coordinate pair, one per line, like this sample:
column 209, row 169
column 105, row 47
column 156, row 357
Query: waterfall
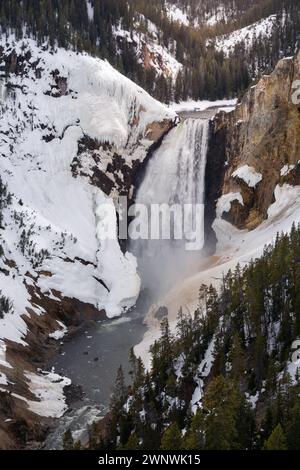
column 175, row 175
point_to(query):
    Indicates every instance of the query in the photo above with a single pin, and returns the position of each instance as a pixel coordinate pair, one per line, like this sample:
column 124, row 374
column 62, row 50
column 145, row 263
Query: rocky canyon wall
column 256, row 147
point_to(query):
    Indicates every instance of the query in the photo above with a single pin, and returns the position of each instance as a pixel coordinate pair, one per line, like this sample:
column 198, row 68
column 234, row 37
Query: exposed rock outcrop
column 110, row 171
column 260, row 144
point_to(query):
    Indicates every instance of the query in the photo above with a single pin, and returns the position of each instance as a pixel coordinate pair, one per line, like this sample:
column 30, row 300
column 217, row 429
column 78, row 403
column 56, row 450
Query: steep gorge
column 261, row 134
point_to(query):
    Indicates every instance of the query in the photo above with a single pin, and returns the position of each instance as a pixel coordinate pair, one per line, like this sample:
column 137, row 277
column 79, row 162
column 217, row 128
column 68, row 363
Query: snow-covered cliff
column 52, row 217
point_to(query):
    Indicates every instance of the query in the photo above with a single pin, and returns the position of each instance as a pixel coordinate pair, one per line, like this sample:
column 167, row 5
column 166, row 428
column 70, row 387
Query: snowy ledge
column 224, row 202
column 286, row 169
column 60, row 333
column 248, row 174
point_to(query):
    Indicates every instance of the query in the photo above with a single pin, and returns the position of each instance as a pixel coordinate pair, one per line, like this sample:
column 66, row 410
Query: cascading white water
column 175, row 175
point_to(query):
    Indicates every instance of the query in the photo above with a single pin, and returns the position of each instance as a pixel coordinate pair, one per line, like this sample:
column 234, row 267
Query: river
column 91, row 360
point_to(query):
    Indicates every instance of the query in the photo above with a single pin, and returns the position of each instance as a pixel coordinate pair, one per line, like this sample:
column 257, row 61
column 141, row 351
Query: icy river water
column 91, row 360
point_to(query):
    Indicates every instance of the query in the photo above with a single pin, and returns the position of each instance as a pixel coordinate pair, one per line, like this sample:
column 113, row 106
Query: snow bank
column 162, row 61
column 192, row 105
column 286, row 197
column 224, row 202
column 48, row 389
column 90, row 10
column 248, row 175
column 97, row 102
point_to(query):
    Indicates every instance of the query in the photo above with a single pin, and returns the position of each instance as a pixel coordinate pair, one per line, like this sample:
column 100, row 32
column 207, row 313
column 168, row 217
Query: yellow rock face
column 263, row 133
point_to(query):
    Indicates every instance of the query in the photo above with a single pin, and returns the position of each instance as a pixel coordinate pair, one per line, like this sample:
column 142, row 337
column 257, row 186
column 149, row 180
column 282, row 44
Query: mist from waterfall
column 175, row 175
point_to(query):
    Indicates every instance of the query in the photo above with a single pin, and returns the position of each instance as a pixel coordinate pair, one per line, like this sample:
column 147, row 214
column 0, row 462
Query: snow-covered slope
column 53, row 223
column 177, row 14
column 216, row 16
column 263, row 30
column 196, row 14
column 150, row 50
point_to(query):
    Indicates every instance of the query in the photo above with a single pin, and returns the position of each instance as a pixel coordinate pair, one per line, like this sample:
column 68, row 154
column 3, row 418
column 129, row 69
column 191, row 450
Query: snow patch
column 285, row 170
column 90, row 10
column 59, row 334
column 13, row 326
column 177, row 15
column 261, row 29
column 224, row 202
column 3, row 379
column 203, row 371
column 48, row 389
column 149, row 51
column 286, row 197
column 252, row 399
column 248, row 174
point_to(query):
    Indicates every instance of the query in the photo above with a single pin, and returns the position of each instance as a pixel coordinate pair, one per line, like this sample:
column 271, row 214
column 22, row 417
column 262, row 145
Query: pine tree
column 195, row 436
column 132, row 443
column 222, row 402
column 171, row 439
column 237, row 357
column 68, row 441
column 77, row 445
column 162, row 355
column 293, row 428
column 184, row 331
column 276, row 441
column 118, row 397
column 132, row 363
column 178, row 93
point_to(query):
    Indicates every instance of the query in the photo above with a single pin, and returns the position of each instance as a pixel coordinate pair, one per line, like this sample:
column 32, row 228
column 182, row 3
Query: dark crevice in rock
column 214, row 175
column 102, row 283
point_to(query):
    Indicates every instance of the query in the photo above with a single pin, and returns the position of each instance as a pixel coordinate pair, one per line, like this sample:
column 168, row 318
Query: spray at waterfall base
column 181, row 222
column 166, row 239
